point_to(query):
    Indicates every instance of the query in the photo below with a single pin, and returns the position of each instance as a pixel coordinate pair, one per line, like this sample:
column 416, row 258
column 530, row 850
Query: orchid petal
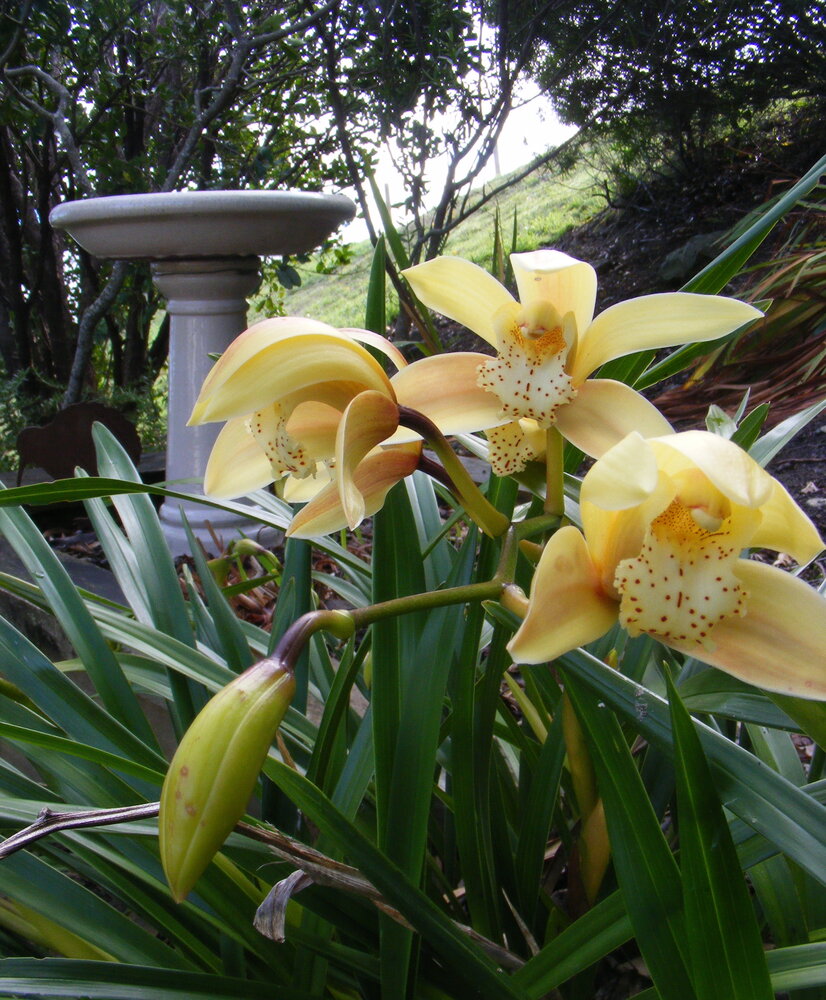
column 301, row 490
column 378, row 343
column 315, row 425
column 726, row 465
column 778, row 644
column 373, row 478
column 654, row 321
column 444, row 388
column 786, row 528
column 370, row 419
column 626, row 475
column 337, row 366
column 258, row 337
column 604, row 412
column 511, row 447
column 567, row 605
column 237, row 465
column 614, row 535
column 570, row 285
column 460, row 290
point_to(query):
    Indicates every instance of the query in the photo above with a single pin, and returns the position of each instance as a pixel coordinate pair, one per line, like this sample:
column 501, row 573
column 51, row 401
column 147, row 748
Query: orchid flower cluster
column 664, row 515
column 656, row 541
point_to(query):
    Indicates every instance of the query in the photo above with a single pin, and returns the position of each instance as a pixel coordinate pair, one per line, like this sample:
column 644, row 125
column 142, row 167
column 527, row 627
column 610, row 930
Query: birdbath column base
column 207, row 306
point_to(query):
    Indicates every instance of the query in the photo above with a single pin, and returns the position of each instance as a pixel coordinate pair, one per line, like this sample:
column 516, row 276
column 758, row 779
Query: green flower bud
column 213, row 772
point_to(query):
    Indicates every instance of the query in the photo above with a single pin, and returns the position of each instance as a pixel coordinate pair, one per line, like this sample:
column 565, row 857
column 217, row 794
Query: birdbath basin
column 204, row 247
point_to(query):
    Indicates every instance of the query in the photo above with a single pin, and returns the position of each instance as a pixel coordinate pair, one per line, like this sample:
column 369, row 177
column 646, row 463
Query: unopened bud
column 214, row 770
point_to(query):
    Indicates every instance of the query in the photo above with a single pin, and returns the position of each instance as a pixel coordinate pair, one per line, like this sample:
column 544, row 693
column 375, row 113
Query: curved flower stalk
column 548, row 343
column 664, row 522
column 308, row 404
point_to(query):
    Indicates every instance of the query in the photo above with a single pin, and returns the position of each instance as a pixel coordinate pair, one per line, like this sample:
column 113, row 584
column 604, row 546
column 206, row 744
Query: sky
column 529, row 130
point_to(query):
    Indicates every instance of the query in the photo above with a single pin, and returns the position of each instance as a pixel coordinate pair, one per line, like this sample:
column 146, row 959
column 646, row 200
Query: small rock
column 684, row 262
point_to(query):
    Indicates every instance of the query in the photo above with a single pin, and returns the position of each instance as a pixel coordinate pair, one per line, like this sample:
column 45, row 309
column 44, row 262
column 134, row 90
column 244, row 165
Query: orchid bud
column 214, row 770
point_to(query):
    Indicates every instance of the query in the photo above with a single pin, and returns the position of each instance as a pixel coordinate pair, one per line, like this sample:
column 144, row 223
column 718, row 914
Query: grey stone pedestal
column 205, row 248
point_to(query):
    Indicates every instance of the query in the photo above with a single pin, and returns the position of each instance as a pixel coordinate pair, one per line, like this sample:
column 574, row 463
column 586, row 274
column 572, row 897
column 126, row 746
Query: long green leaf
column 716, row 275
column 375, row 313
column 143, row 528
column 646, row 870
column 63, row 702
column 70, row 611
column 764, row 449
column 55, row 977
column 270, row 511
column 467, row 962
column 597, row 933
column 535, row 824
column 50, row 892
column 788, row 817
column 390, row 232
column 727, row 958
column 798, row 967
column 75, row 749
column 227, row 628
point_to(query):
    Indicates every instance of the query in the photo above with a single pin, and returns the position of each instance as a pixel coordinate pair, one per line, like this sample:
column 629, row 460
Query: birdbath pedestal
column 205, row 249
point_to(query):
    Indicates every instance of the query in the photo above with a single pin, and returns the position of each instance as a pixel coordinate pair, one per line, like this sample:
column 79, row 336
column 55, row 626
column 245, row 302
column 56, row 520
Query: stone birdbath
column 205, row 249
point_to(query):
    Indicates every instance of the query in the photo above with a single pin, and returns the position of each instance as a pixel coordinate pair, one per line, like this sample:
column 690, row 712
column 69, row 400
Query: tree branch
column 232, row 80
column 19, row 27
column 49, row 822
column 56, row 117
column 86, row 330
column 317, row 866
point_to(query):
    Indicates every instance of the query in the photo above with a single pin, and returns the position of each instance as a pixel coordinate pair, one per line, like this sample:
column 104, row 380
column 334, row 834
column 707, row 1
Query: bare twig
column 326, row 871
column 232, row 80
column 49, row 822
column 315, row 866
column 56, row 117
column 25, row 10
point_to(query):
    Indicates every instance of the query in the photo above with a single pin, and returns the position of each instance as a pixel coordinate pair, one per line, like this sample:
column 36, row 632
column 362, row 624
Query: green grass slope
column 545, row 206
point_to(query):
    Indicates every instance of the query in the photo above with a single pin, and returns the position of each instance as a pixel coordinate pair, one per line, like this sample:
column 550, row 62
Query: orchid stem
column 488, row 590
column 554, row 473
column 292, row 642
column 344, row 623
column 489, row 519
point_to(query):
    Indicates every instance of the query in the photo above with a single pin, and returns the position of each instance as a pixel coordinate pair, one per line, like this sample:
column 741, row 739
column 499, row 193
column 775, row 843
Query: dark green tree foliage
column 676, row 68
column 122, row 96
column 119, row 97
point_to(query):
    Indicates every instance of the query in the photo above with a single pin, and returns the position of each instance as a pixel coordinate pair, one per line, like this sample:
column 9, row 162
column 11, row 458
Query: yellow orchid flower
column 548, row 343
column 363, row 472
column 259, row 383
column 664, row 521
column 308, row 405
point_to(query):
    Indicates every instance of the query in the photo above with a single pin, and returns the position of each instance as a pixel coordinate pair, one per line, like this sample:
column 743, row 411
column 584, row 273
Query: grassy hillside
column 546, row 206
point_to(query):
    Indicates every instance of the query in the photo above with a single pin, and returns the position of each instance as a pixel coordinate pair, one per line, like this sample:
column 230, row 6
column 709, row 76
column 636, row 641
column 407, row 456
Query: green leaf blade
column 646, row 870
column 727, row 959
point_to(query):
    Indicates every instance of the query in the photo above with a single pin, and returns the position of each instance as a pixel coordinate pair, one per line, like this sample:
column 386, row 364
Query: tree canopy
column 675, row 67
column 125, row 96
